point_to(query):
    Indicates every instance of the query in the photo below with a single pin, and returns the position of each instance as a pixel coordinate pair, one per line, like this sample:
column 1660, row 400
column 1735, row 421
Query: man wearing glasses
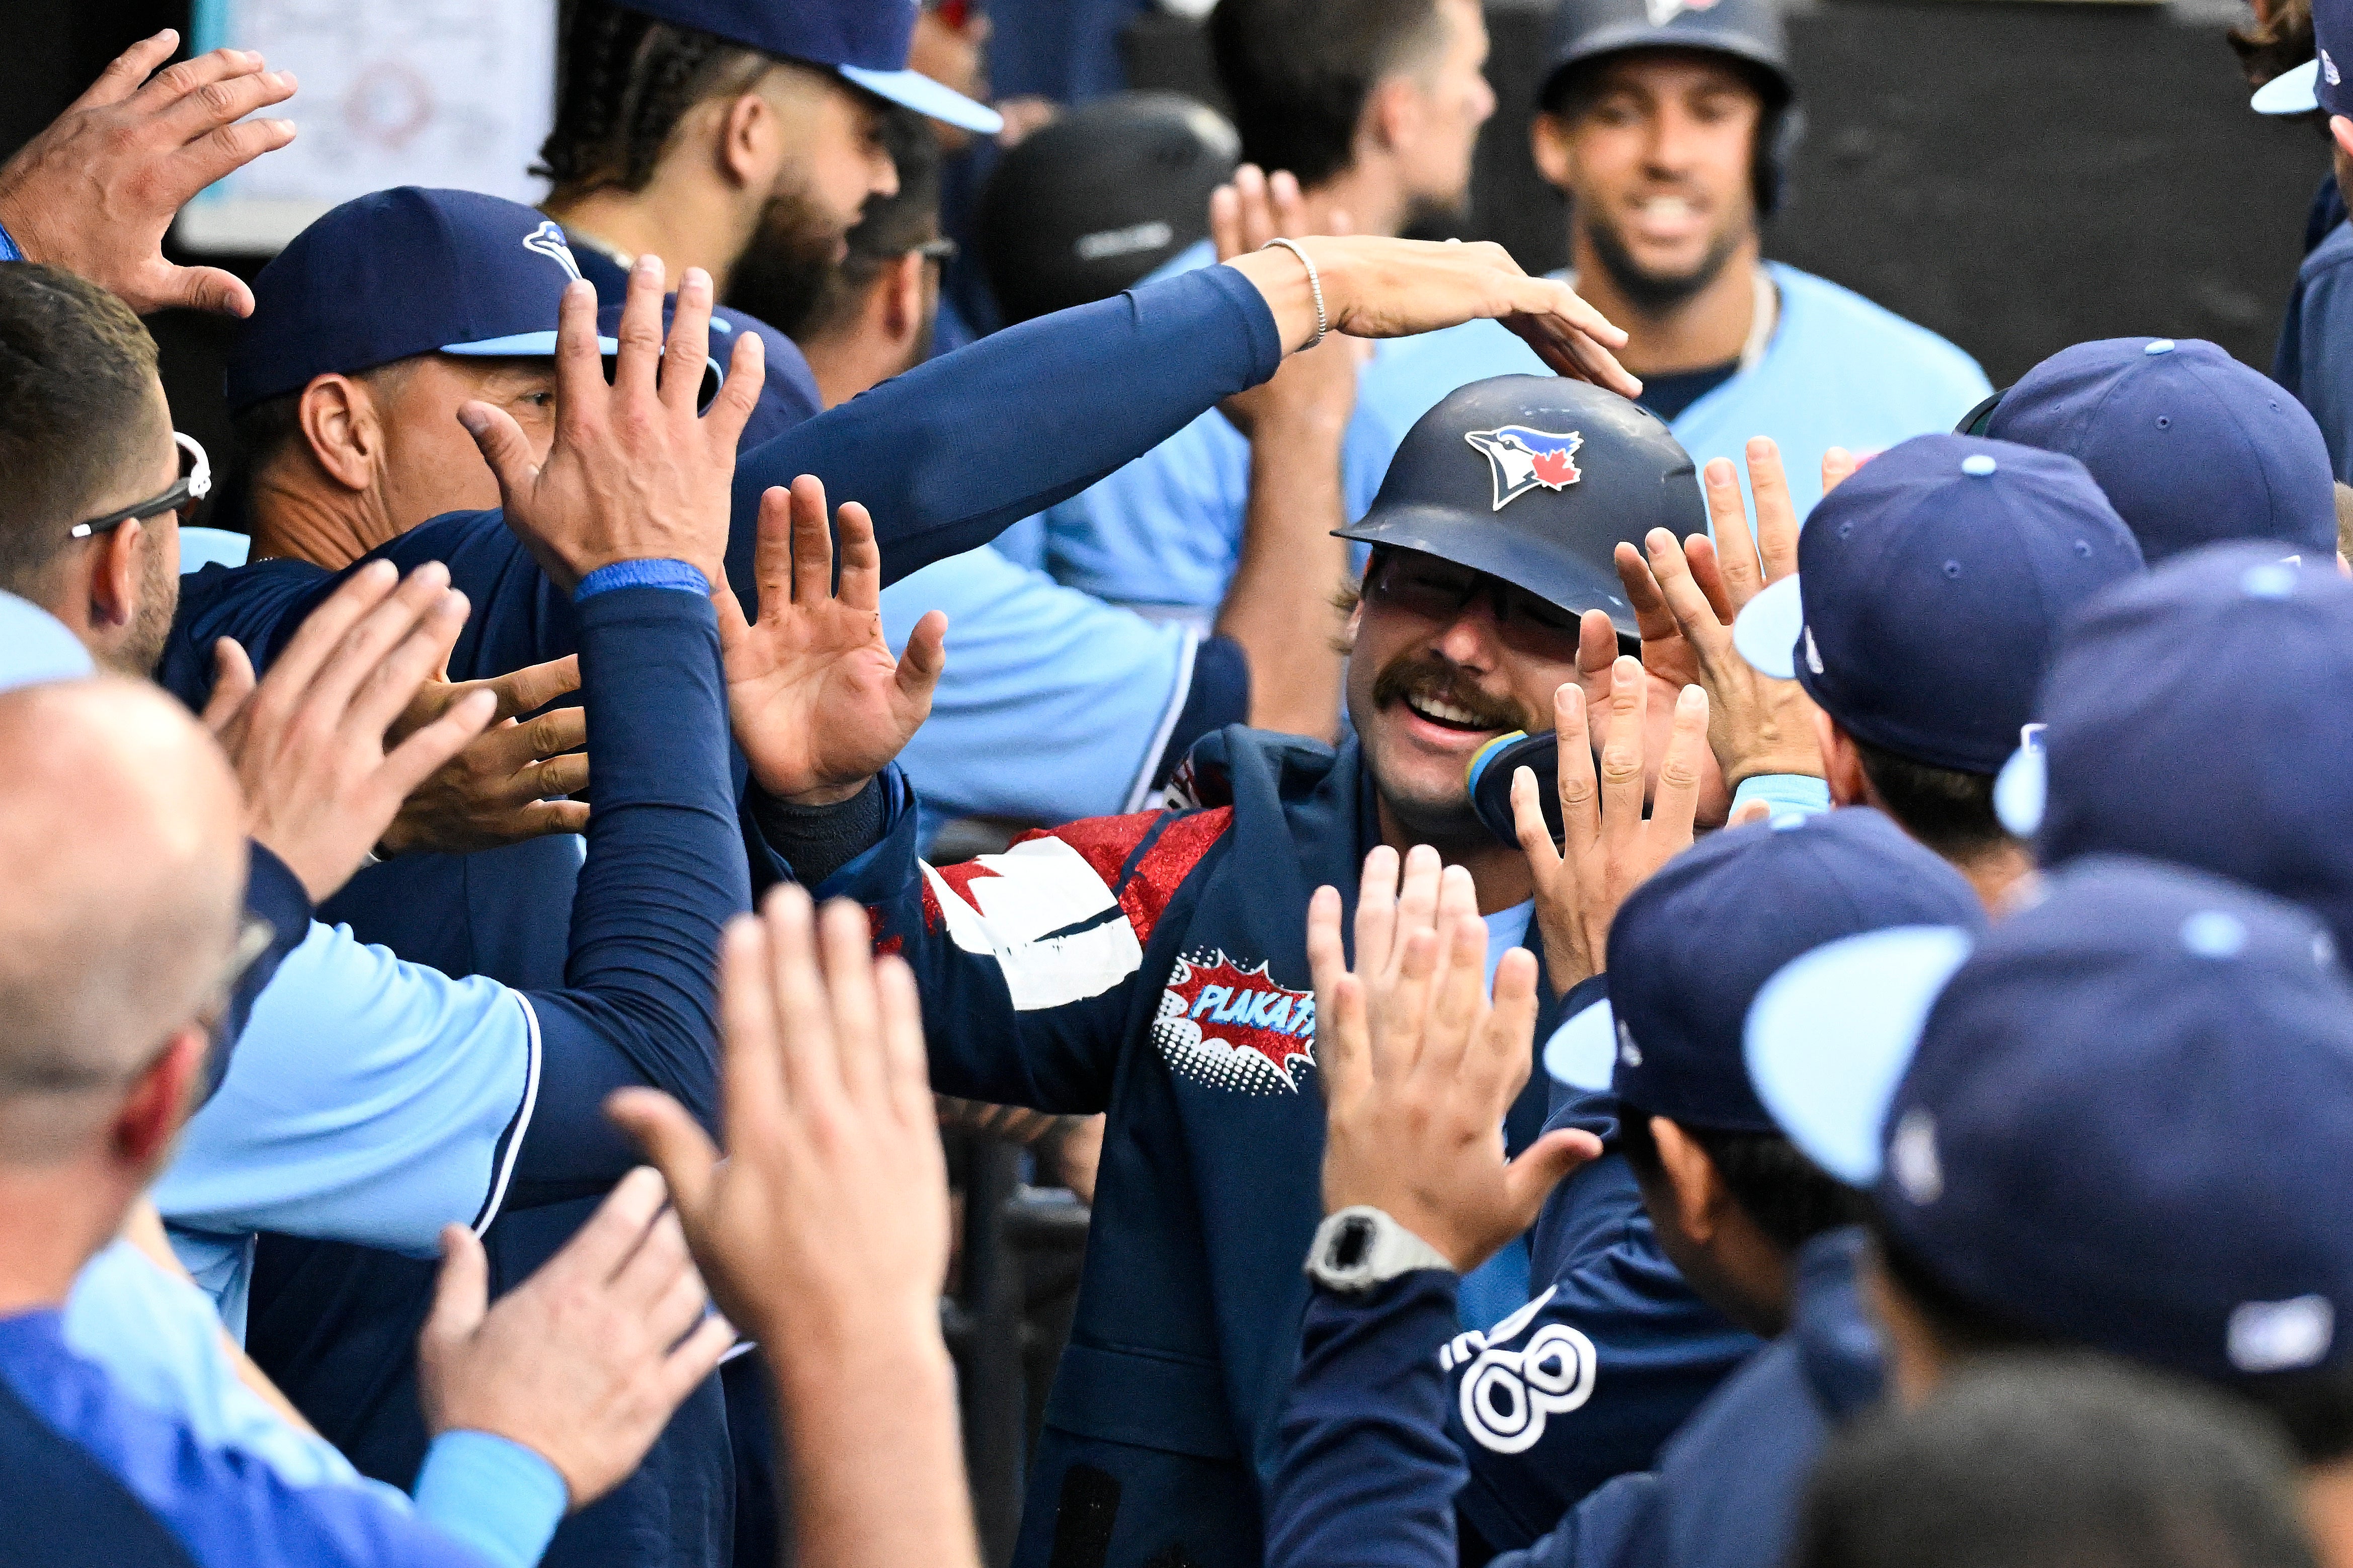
column 1154, row 966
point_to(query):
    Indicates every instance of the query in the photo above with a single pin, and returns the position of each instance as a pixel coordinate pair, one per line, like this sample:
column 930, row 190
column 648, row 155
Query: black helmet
column 1087, row 206
column 1749, row 31
column 1536, row 479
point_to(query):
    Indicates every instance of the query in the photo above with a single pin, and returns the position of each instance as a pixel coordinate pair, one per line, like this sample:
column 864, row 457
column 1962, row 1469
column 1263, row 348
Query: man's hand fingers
column 1377, row 910
column 424, row 753
column 689, row 349
column 1500, row 1057
column 1735, row 547
column 204, row 288
column 1676, row 803
column 1622, row 771
column 126, row 71
column 810, row 1053
column 232, row 684
column 752, row 1068
column 921, row 666
column 812, row 544
column 1838, row 467
column 1396, row 1036
column 503, row 446
column 322, row 631
column 1529, row 826
column 1459, row 1006
column 546, row 818
column 772, row 552
column 861, row 558
column 580, row 391
column 906, row 1065
column 377, row 653
column 1706, row 568
column 698, row 1355
column 1417, row 905
column 1708, row 637
column 1226, row 222
column 847, row 949
column 1530, row 1179
column 674, row 1141
column 460, row 1293
column 636, row 367
column 535, row 686
column 1777, row 509
column 1580, row 795
column 225, row 101
column 1651, row 617
column 386, row 691
column 599, row 1249
column 747, row 372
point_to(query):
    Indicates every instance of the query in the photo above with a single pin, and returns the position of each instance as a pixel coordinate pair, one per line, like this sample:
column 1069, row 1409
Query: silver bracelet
column 1314, row 286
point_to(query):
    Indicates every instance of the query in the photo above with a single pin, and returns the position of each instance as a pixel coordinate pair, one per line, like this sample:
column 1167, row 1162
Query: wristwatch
column 1360, row 1246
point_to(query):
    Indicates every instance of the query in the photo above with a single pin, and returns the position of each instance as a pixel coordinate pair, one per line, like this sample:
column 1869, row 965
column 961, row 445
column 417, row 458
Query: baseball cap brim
column 2290, row 92
column 1583, row 1051
column 521, row 345
column 1828, row 1036
column 1766, row 632
column 914, row 90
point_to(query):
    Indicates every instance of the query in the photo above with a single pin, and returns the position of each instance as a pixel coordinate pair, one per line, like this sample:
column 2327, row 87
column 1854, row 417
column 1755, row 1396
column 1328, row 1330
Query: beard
column 1656, row 293
column 142, row 648
column 783, row 271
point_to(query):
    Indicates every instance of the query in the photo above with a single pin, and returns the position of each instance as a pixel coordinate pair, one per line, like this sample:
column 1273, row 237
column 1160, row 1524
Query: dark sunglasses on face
column 195, row 482
column 1439, row 590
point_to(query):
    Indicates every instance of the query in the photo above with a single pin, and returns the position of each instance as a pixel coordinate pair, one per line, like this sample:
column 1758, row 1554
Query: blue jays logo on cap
column 1522, row 460
column 548, row 240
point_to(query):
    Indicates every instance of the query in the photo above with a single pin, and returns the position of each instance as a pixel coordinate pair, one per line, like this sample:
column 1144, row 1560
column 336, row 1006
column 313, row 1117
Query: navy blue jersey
column 1154, row 966
column 1368, row 1477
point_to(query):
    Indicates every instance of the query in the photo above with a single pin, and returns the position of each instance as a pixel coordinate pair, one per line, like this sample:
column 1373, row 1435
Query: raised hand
column 1418, row 1066
column 509, row 785
column 817, row 702
column 95, row 192
column 584, row 1362
column 1755, row 724
column 634, row 474
column 1381, row 288
column 1609, row 847
column 308, row 742
column 827, row 1226
column 1316, row 391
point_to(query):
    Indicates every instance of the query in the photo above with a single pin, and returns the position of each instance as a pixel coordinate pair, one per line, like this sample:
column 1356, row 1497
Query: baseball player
column 1670, row 129
column 1755, row 1226
column 1151, row 965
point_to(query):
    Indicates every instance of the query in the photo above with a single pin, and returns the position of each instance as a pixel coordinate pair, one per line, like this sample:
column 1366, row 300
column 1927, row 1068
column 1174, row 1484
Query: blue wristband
column 649, row 573
column 1785, row 793
column 8, row 251
column 493, row 1495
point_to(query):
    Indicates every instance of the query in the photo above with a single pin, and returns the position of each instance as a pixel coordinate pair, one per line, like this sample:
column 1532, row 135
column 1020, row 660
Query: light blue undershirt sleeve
column 369, row 1101
column 158, row 1339
column 1054, row 706
column 496, row 1496
column 1800, row 793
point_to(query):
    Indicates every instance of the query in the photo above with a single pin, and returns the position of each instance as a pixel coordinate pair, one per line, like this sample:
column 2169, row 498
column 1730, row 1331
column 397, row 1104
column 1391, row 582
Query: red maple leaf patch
column 1555, row 470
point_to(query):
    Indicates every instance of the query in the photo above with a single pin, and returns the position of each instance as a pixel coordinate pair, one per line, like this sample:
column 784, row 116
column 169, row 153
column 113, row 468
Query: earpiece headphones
column 1490, row 777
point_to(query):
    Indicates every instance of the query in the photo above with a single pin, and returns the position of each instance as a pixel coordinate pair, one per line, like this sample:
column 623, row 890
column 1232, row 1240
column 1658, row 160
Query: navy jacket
column 1366, row 1477
column 1154, row 966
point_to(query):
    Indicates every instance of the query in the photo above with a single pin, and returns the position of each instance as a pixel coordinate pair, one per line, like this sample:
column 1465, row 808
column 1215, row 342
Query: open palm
column 817, row 702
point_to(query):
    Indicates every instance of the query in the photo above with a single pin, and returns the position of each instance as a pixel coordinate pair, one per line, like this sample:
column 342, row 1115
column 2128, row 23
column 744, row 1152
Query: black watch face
column 1355, row 1241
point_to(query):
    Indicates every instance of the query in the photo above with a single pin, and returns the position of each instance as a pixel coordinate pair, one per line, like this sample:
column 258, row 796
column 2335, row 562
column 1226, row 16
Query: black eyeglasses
column 1438, row 590
column 195, row 483
column 942, row 251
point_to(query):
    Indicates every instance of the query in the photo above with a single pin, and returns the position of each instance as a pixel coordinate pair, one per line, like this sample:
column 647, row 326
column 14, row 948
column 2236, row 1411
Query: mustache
column 1431, row 676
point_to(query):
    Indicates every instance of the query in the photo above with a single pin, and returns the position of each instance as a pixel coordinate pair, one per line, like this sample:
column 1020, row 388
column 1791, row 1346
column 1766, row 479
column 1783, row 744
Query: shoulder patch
column 1226, row 1026
column 1506, row 1396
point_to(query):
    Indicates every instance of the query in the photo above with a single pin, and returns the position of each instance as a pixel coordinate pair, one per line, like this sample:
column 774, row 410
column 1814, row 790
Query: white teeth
column 1670, row 208
column 1431, row 708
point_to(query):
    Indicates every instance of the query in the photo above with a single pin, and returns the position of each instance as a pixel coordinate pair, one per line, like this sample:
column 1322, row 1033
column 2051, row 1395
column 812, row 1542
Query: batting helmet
column 1536, row 479
column 1750, row 31
column 1089, row 205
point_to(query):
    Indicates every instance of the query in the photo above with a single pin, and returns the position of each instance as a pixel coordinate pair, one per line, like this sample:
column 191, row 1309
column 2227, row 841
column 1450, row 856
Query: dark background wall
column 2018, row 176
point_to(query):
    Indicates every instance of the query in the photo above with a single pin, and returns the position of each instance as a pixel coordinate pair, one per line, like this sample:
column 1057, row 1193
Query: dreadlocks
column 623, row 83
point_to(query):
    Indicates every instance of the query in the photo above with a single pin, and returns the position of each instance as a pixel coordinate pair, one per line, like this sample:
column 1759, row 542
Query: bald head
column 122, row 848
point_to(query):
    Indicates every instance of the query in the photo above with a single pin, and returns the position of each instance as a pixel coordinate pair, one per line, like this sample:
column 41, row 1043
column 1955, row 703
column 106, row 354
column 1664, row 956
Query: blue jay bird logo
column 547, row 240
column 1522, row 460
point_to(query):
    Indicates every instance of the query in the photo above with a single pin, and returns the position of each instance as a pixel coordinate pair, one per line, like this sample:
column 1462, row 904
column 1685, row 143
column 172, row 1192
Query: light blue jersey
column 1839, row 370
column 1167, row 529
column 368, row 1101
column 1054, row 705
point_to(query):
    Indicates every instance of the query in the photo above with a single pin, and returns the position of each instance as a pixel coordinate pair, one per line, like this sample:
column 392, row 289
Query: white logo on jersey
column 547, row 240
column 1507, row 1394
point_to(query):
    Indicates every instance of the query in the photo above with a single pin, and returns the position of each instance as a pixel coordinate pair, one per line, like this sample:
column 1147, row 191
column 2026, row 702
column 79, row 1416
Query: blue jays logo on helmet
column 1522, row 460
column 547, row 240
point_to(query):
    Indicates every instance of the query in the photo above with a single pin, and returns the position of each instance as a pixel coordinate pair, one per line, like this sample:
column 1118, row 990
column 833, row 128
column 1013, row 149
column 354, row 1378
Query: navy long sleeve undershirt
column 664, row 873
column 945, row 457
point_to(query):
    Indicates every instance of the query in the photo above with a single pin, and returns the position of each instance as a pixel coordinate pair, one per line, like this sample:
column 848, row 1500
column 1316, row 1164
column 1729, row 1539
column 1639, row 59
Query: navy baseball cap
column 2120, row 1118
column 862, row 41
column 2197, row 715
column 2189, row 446
column 2332, row 41
column 398, row 273
column 1690, row 948
column 1930, row 591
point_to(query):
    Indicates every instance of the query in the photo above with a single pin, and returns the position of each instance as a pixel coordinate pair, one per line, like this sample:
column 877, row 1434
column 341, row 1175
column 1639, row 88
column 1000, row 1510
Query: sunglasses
column 195, row 483
column 1436, row 590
